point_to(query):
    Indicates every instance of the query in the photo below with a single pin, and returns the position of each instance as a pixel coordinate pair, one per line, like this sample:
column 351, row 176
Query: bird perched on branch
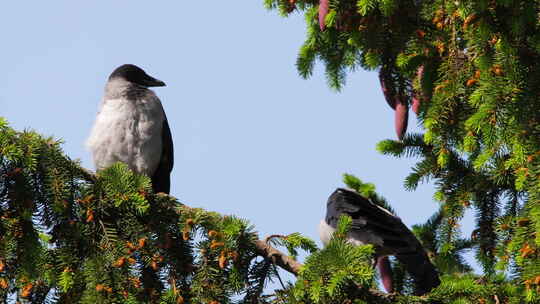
column 372, row 224
column 131, row 127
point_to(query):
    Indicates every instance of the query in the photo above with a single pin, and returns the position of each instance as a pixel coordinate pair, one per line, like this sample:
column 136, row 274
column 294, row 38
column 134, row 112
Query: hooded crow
column 131, row 127
column 372, row 224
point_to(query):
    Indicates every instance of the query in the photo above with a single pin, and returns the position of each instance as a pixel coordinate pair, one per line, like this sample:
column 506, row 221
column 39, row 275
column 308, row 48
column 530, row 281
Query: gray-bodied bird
column 131, row 127
column 372, row 224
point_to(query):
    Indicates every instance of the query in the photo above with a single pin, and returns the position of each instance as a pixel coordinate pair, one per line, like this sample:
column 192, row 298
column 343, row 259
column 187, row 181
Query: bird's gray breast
column 128, row 130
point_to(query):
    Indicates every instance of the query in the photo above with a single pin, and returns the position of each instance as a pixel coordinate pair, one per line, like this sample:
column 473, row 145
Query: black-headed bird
column 372, row 224
column 131, row 127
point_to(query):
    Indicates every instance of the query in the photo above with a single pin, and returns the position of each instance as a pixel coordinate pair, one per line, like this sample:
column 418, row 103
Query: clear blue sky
column 251, row 137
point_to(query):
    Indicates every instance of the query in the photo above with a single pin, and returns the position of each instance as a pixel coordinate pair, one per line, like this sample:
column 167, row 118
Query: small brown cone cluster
column 89, row 215
column 187, row 228
column 471, row 19
column 3, row 283
column 27, row 290
column 120, row 262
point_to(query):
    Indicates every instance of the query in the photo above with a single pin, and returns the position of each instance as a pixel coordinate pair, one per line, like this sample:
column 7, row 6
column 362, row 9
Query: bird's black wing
column 161, row 180
column 397, row 239
column 367, row 217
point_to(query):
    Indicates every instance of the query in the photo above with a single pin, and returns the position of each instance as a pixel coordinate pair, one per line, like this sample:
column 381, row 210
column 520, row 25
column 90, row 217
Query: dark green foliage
column 448, row 261
column 69, row 237
column 479, row 107
column 293, row 242
column 332, row 273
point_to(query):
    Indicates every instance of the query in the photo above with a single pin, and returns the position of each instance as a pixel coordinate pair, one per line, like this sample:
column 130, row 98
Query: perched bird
column 131, row 127
column 372, row 224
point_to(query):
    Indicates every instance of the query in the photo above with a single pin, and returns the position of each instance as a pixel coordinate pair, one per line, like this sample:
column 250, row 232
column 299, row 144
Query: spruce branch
column 265, row 250
column 277, row 257
column 91, row 235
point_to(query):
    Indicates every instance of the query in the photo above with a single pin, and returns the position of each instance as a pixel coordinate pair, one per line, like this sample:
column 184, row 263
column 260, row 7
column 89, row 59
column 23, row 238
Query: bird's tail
column 423, row 273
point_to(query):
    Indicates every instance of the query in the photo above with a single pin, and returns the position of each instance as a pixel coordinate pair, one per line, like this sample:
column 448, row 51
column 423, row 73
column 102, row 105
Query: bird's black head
column 134, row 74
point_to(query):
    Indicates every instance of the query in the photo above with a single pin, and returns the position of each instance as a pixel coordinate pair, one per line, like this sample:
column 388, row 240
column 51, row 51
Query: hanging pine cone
column 401, row 117
column 323, row 11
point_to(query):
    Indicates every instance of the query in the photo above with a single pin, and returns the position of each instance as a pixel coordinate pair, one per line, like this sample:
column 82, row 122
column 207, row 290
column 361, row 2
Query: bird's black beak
column 150, row 81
